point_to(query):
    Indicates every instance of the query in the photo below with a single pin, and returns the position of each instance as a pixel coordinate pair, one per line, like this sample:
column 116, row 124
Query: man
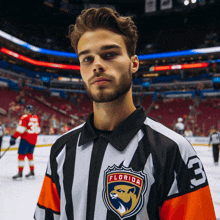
column 28, row 129
column 120, row 164
column 188, row 132
column 214, row 138
column 179, row 126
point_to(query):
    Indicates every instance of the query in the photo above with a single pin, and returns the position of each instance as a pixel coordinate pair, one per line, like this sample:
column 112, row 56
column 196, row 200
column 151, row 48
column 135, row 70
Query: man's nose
column 98, row 65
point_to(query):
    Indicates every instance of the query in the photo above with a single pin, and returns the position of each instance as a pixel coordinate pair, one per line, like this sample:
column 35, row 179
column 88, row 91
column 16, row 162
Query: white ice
column 18, row 198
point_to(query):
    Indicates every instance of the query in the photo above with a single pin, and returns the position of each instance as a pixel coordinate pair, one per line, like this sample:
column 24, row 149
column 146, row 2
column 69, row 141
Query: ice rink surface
column 18, row 198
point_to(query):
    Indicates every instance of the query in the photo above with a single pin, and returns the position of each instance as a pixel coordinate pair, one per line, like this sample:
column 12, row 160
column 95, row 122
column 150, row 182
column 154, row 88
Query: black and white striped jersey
column 214, row 138
column 141, row 171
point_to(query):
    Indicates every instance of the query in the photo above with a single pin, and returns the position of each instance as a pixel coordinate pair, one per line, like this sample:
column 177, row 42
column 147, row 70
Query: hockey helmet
column 29, row 108
column 180, row 119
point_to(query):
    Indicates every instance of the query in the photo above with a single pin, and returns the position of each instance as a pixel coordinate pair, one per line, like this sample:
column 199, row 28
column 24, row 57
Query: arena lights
column 36, row 49
column 37, row 62
column 180, row 53
column 150, row 75
column 67, row 79
column 140, row 57
column 186, row 2
column 179, row 66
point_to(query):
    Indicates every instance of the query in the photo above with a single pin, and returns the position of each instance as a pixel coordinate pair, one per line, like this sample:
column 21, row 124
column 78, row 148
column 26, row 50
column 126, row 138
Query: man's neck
column 109, row 115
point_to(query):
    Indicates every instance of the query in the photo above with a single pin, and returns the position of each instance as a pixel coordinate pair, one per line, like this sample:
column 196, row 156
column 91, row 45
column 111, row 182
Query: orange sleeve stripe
column 49, row 197
column 196, row 205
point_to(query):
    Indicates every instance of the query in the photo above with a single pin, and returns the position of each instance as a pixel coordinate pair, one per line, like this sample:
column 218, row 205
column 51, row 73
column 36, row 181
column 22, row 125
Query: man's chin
column 108, row 95
column 103, row 98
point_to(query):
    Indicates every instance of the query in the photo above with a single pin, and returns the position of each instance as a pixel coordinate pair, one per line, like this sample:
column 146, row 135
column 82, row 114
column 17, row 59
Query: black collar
column 121, row 136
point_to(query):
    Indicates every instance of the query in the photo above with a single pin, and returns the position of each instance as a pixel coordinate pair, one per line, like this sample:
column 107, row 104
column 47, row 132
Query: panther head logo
column 123, row 190
column 126, row 198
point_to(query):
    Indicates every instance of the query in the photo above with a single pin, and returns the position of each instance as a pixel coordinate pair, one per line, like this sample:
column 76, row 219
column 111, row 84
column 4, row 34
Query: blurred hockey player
column 179, row 126
column 28, row 129
column 214, row 138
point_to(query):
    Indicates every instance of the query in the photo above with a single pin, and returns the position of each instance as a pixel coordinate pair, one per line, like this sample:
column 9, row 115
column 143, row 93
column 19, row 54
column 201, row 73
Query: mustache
column 93, row 78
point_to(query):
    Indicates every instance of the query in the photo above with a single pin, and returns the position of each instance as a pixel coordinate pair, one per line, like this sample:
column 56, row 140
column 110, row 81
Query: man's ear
column 134, row 64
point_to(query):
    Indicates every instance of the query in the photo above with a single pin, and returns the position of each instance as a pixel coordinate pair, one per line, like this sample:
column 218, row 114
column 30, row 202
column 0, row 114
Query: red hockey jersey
column 28, row 128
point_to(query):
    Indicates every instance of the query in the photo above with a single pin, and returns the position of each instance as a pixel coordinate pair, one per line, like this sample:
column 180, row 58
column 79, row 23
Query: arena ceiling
column 36, row 19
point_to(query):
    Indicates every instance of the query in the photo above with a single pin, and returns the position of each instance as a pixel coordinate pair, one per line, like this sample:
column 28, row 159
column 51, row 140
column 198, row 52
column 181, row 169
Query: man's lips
column 100, row 81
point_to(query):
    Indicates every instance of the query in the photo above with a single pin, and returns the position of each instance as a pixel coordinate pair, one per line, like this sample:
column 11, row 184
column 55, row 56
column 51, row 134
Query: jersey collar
column 120, row 137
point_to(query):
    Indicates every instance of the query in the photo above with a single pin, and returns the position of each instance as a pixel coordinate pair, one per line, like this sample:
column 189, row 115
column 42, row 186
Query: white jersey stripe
column 80, row 182
column 150, row 180
column 73, row 129
column 56, row 217
column 48, row 171
column 39, row 213
column 60, row 161
column 174, row 188
column 21, row 129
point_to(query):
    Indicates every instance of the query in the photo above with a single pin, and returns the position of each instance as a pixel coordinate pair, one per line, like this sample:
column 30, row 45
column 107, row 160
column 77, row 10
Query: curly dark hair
column 106, row 18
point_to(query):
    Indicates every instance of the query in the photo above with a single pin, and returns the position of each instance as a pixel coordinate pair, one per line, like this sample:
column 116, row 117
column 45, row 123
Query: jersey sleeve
column 22, row 127
column 48, row 206
column 196, row 205
column 188, row 194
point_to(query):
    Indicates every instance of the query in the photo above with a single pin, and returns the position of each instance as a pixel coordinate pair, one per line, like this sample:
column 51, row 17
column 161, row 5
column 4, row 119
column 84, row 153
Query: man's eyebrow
column 111, row 46
column 105, row 47
column 83, row 52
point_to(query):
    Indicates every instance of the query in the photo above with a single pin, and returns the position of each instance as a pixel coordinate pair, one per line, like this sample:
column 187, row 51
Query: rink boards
column 48, row 140
column 42, row 141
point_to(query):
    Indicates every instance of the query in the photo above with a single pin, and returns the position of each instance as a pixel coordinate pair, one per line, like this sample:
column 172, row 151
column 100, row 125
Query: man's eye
column 110, row 55
column 87, row 59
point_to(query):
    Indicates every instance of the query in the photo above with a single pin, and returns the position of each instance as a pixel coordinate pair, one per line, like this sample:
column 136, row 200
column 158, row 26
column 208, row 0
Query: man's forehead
column 100, row 48
column 100, row 39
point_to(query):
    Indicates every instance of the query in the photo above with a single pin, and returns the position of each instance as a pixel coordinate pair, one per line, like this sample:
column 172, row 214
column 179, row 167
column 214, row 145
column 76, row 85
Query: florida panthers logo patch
column 124, row 190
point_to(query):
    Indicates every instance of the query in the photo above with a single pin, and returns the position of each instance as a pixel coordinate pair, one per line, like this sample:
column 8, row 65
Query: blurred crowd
column 53, row 121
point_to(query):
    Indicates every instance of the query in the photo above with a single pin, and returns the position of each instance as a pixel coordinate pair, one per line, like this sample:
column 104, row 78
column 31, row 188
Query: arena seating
column 168, row 111
column 208, row 114
column 201, row 116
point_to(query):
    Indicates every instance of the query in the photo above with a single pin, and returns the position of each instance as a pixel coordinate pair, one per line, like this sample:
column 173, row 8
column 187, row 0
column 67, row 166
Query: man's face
column 26, row 112
column 105, row 66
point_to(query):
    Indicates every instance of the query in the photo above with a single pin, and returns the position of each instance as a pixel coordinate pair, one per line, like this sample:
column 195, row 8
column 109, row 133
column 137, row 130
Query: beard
column 122, row 88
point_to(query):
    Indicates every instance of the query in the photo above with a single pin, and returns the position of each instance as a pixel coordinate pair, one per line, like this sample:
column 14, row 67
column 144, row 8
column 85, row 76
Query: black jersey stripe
column 48, row 210
column 153, row 201
column 142, row 153
column 49, row 215
column 68, row 173
column 98, row 152
column 158, row 143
